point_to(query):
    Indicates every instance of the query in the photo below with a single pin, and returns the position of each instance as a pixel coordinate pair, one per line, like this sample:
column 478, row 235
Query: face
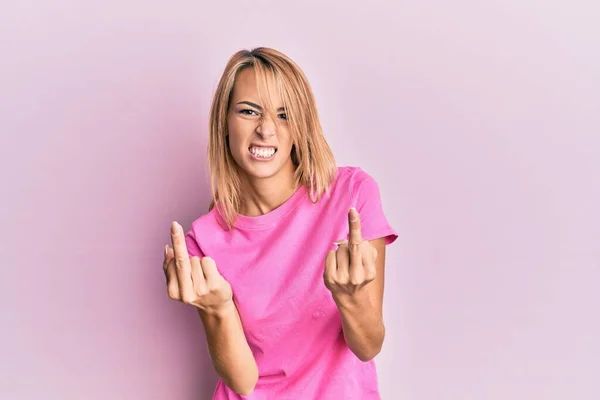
column 259, row 139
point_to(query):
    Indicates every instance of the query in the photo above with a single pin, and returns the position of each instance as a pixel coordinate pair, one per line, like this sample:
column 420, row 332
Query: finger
column 209, row 268
column 171, row 274
column 369, row 255
column 198, row 279
column 330, row 266
column 355, row 237
column 342, row 258
column 168, row 257
column 354, row 225
column 165, row 260
column 182, row 264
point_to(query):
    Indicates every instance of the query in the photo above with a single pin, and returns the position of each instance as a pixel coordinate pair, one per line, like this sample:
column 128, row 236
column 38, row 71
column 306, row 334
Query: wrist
column 356, row 300
column 224, row 311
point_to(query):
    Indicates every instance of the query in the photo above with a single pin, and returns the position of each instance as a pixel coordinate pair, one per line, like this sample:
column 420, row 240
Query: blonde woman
column 286, row 269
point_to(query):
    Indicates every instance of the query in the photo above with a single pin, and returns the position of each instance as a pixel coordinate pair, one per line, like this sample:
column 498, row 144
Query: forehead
column 248, row 87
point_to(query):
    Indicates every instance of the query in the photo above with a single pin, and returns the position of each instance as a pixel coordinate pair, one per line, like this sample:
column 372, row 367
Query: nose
column 266, row 127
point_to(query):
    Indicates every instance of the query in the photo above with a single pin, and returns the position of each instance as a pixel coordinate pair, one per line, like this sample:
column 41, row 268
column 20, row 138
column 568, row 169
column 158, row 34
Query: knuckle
column 207, row 262
column 215, row 289
column 173, row 292
column 209, row 287
column 195, row 263
column 205, row 288
column 356, row 281
column 371, row 275
column 188, row 298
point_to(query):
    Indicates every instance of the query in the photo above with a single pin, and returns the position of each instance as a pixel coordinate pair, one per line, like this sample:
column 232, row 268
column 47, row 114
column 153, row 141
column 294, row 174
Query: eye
column 248, row 111
column 283, row 116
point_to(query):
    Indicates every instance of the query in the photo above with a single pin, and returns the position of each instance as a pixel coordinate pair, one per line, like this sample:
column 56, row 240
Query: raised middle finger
column 182, row 263
column 354, row 238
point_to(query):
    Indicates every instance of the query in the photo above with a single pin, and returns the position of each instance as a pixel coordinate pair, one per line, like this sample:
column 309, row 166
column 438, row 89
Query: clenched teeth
column 264, row 152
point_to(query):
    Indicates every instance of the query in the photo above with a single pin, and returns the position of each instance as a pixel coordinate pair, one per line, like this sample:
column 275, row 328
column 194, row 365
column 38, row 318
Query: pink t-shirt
column 275, row 263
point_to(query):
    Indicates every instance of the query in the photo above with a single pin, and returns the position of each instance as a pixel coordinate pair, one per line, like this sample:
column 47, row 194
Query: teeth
column 262, row 152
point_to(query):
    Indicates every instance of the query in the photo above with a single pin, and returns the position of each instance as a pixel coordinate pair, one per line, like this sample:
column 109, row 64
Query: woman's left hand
column 352, row 265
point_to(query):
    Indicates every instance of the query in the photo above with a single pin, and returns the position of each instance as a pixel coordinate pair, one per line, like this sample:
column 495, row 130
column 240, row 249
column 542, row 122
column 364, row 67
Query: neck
column 263, row 195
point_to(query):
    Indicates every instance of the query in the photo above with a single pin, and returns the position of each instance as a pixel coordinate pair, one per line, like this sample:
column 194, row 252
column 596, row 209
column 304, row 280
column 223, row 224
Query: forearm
column 362, row 324
column 231, row 356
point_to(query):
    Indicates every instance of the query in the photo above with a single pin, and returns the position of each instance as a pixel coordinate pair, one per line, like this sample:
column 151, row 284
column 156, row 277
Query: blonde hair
column 311, row 155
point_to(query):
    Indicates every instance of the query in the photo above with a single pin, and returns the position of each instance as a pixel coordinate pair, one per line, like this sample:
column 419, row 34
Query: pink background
column 480, row 120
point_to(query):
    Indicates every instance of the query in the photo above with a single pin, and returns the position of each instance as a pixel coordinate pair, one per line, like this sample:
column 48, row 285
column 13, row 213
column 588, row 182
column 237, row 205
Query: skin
column 266, row 185
column 197, row 282
column 353, row 273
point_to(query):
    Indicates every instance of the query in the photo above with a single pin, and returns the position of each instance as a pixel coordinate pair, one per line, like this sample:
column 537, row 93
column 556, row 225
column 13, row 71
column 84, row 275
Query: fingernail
column 166, row 250
column 353, row 214
column 175, row 228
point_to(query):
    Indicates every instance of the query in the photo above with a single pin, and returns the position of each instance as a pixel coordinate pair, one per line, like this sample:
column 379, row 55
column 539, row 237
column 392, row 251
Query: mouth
column 262, row 152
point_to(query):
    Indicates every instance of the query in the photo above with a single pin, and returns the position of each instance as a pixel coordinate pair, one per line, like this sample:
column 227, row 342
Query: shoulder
column 207, row 220
column 205, row 226
column 352, row 178
column 210, row 223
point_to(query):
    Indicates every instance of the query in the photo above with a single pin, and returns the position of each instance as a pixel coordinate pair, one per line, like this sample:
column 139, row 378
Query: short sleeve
column 367, row 200
column 192, row 244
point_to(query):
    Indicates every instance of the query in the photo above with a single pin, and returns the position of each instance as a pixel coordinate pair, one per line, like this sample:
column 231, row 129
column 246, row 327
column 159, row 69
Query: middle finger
column 182, row 263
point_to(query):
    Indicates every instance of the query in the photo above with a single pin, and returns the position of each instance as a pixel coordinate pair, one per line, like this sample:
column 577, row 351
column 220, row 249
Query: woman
column 286, row 269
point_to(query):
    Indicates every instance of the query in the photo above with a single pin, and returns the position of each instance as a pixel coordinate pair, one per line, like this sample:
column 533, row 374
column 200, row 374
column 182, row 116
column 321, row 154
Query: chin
column 262, row 171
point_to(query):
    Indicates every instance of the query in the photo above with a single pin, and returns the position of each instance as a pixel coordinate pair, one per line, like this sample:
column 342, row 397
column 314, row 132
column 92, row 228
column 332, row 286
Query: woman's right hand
column 193, row 280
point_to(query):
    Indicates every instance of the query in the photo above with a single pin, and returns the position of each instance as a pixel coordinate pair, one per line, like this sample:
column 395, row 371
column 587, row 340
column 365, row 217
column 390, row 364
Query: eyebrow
column 251, row 104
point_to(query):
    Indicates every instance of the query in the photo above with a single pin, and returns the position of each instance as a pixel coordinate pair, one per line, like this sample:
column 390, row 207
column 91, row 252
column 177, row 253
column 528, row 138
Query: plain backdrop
column 479, row 120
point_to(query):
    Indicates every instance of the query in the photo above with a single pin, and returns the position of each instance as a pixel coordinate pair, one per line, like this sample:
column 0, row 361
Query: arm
column 196, row 281
column 354, row 273
column 231, row 356
column 362, row 314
